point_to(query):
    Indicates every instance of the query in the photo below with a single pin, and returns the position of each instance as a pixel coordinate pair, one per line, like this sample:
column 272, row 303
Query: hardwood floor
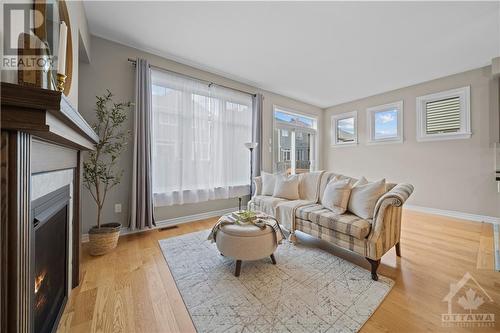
column 132, row 290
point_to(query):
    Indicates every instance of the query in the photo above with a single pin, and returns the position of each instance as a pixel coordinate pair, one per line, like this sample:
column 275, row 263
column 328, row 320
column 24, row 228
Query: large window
column 444, row 115
column 385, row 123
column 295, row 138
column 198, row 140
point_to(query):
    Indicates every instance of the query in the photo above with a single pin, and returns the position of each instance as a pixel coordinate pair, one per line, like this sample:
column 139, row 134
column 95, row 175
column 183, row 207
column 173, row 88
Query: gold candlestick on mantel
column 61, row 79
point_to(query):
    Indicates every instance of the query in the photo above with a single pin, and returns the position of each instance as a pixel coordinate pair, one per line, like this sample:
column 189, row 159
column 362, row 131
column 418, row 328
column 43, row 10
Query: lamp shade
column 251, row 145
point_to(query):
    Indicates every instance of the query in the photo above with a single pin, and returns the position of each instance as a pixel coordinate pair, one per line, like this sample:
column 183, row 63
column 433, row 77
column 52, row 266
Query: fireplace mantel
column 46, row 114
column 40, row 132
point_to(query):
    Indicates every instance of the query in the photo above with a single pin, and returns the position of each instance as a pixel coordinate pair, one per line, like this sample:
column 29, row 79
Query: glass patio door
column 294, row 143
column 304, row 151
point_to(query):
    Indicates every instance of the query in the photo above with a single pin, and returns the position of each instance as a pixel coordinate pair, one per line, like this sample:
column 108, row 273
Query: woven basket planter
column 103, row 239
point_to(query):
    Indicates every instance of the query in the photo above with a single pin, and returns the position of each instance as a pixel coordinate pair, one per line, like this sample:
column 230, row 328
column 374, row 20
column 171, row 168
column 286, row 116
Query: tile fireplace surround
column 42, row 138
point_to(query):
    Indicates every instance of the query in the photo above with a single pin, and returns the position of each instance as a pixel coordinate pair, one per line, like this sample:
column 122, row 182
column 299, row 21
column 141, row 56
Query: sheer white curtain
column 199, row 133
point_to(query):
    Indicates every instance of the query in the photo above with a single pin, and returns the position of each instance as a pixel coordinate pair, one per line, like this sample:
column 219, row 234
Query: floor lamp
column 251, row 146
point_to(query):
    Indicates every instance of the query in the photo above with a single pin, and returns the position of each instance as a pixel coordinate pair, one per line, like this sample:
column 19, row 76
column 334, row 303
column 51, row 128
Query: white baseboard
column 195, row 217
column 454, row 214
column 173, row 221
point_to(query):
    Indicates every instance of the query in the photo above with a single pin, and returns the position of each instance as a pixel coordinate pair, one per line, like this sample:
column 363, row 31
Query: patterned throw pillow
column 364, row 197
column 336, row 195
column 268, row 183
column 287, row 187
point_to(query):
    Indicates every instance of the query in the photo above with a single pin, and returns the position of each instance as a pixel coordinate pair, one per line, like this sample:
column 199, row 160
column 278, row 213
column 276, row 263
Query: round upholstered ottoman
column 246, row 242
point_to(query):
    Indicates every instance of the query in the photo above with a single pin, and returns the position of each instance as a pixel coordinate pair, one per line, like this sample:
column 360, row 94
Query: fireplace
column 50, row 216
column 41, row 132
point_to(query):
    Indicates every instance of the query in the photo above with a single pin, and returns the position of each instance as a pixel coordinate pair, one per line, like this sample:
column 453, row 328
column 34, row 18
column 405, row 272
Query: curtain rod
column 133, row 61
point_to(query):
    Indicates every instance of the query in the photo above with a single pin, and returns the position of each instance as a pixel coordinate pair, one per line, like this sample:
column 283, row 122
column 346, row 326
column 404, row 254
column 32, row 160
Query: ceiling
column 322, row 53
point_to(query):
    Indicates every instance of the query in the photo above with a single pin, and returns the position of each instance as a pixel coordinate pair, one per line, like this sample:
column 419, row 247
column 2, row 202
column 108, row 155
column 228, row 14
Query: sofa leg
column 273, row 260
column 398, row 249
column 374, row 264
column 238, row 268
column 293, row 238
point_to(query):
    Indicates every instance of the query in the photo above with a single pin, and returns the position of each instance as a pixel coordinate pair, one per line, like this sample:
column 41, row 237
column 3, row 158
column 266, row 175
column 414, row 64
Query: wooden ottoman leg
column 238, row 268
column 273, row 259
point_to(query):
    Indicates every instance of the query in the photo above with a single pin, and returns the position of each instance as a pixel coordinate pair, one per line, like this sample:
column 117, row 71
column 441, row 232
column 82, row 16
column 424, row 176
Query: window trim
column 314, row 156
column 370, row 123
column 334, row 120
column 465, row 126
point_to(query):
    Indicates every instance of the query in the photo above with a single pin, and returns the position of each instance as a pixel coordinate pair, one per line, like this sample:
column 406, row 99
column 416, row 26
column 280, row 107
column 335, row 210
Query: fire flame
column 39, row 280
column 40, row 302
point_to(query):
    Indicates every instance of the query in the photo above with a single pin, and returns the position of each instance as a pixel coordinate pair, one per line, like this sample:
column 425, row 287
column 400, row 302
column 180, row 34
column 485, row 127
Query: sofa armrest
column 386, row 225
column 396, row 197
column 257, row 182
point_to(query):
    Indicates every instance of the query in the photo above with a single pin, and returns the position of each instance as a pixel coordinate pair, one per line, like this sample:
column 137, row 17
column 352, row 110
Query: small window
column 345, row 129
column 285, row 155
column 385, row 123
column 444, row 115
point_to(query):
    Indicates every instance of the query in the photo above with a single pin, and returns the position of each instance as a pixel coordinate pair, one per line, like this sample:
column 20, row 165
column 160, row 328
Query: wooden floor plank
column 132, row 289
column 486, row 251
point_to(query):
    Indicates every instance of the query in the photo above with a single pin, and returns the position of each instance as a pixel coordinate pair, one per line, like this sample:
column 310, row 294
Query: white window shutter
column 443, row 116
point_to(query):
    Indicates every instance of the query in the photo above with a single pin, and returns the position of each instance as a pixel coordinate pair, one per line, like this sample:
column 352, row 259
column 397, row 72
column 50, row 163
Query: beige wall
column 109, row 69
column 453, row 175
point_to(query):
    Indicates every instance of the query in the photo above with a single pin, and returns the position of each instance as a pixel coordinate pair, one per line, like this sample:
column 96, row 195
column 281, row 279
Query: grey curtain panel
column 258, row 101
column 142, row 191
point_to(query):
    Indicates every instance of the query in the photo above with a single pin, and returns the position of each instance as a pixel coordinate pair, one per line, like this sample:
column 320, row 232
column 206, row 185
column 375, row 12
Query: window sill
column 384, row 142
column 340, row 145
column 443, row 137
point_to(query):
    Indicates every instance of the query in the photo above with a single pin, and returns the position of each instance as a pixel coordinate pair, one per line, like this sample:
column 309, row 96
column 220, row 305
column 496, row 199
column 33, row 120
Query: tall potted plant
column 100, row 171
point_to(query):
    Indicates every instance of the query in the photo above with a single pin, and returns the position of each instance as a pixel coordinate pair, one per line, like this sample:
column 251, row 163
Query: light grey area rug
column 309, row 290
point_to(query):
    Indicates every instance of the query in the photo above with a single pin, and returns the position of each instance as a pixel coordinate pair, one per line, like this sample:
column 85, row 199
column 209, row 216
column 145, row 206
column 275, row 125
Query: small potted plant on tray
column 100, row 172
column 246, row 216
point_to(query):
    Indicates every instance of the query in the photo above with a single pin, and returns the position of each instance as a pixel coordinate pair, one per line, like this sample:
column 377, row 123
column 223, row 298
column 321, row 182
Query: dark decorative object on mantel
column 53, row 15
column 34, row 63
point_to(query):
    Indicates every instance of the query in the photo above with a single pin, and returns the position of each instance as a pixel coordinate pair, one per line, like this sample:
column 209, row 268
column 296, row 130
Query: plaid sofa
column 371, row 238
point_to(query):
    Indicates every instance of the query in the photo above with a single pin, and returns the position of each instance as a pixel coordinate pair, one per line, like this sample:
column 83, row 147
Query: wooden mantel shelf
column 46, row 114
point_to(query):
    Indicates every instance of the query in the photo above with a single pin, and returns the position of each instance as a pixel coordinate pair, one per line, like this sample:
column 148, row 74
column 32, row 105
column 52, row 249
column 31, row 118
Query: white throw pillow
column 268, row 183
column 287, row 187
column 336, row 195
column 364, row 196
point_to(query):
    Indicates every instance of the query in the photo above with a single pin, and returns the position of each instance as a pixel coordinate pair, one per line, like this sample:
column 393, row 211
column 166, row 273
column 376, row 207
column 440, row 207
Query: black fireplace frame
column 42, row 209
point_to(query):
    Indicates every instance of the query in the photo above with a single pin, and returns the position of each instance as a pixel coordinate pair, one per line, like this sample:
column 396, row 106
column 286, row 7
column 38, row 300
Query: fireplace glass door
column 50, row 264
